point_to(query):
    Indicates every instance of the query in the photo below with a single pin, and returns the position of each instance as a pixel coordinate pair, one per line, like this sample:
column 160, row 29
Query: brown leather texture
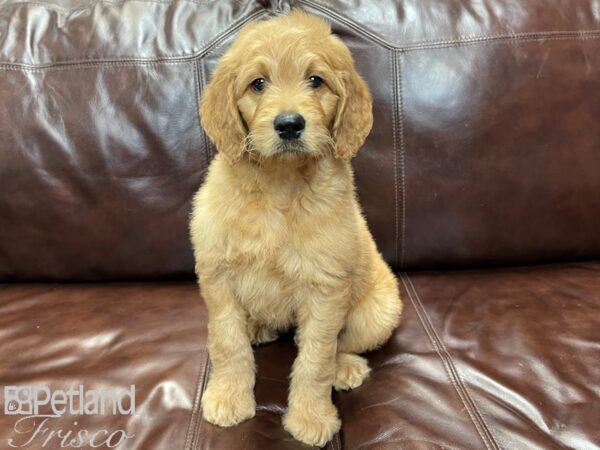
column 485, row 152
column 484, row 149
column 152, row 336
column 483, row 359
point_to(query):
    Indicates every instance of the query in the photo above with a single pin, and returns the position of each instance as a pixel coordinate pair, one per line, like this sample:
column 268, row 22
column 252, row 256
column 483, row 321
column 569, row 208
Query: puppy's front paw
column 226, row 405
column 351, row 371
column 313, row 424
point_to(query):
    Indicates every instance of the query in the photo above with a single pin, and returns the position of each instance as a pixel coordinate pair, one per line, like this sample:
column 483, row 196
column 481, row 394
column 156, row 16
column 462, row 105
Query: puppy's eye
column 315, row 81
column 258, row 84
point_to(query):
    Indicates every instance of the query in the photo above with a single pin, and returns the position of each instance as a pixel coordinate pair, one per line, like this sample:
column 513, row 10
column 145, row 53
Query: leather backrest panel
column 485, row 147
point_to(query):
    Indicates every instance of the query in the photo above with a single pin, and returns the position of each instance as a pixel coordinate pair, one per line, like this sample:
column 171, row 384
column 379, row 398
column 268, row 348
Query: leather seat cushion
column 503, row 358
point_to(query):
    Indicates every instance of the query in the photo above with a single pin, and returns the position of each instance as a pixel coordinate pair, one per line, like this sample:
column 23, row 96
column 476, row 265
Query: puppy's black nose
column 289, row 125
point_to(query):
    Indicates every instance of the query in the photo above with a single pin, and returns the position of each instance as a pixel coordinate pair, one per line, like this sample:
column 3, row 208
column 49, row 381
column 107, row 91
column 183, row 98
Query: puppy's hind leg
column 370, row 323
column 261, row 333
column 372, row 319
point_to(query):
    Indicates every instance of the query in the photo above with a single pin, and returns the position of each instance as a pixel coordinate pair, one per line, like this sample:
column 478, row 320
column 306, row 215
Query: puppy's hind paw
column 261, row 334
column 352, row 370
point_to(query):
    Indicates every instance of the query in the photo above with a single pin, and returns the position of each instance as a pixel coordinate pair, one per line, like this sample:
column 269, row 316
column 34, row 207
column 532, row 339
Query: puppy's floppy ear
column 354, row 117
column 219, row 112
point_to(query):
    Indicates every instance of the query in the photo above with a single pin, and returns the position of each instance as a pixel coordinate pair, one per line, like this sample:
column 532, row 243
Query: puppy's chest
column 265, row 233
column 268, row 255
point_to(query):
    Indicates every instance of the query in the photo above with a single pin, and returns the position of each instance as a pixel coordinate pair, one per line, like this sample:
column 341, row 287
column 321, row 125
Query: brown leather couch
column 480, row 182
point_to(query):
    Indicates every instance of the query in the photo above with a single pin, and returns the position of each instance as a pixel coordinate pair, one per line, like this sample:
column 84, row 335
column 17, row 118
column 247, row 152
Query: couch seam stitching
column 200, row 421
column 96, row 64
column 393, row 77
column 108, row 2
column 402, row 157
column 594, row 34
column 189, row 436
column 334, row 444
column 504, row 39
column 428, row 43
column 201, row 86
column 337, row 440
column 331, row 444
column 445, row 363
column 464, row 384
column 541, row 37
column 449, row 367
column 120, row 62
column 197, row 97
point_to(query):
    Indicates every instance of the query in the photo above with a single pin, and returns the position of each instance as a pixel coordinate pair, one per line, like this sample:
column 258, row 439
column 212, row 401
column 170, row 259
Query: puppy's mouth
column 291, row 148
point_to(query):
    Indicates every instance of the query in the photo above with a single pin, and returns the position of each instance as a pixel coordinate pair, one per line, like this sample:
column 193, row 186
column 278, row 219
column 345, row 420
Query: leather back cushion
column 485, row 148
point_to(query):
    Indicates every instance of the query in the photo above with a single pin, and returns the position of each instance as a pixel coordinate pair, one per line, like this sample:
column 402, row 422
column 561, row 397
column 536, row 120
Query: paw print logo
column 12, row 406
column 17, row 400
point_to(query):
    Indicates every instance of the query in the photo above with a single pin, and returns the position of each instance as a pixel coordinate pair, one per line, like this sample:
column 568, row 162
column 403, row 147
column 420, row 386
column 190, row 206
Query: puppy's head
column 287, row 88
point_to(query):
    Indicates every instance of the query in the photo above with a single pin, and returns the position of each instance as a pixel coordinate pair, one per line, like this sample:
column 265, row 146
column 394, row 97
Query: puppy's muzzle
column 289, row 125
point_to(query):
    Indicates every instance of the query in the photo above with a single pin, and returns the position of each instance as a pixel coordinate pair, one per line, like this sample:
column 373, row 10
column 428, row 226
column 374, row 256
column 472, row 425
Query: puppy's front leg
column 312, row 418
column 229, row 396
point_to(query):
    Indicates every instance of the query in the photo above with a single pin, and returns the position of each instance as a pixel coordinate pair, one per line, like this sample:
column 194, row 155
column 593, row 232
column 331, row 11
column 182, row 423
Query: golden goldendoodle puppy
column 278, row 234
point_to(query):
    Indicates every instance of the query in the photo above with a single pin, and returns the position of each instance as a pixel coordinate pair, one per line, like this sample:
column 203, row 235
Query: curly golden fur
column 278, row 235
